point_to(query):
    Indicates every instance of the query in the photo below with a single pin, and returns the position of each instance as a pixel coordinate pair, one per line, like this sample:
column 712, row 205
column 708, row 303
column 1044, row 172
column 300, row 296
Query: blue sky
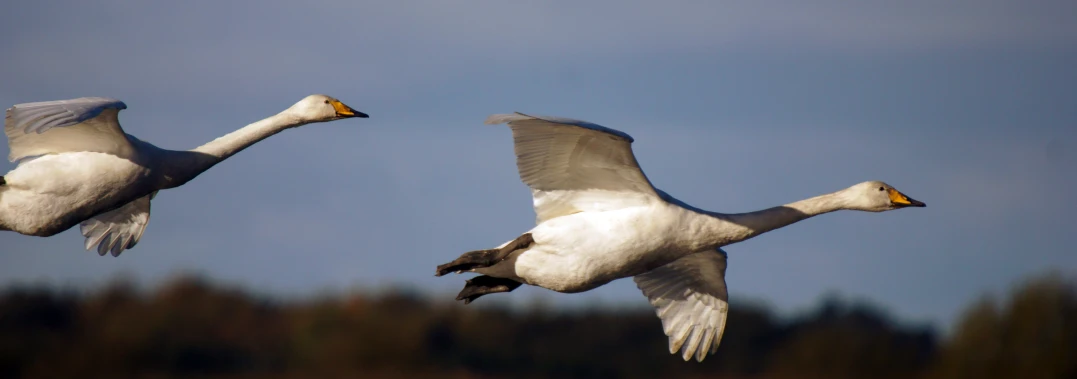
column 970, row 106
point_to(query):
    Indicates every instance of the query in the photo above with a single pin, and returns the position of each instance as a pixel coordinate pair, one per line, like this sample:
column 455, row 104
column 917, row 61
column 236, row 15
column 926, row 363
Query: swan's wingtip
column 503, row 118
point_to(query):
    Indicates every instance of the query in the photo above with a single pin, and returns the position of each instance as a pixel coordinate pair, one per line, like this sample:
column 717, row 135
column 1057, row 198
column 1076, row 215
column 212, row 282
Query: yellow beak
column 346, row 111
column 901, row 200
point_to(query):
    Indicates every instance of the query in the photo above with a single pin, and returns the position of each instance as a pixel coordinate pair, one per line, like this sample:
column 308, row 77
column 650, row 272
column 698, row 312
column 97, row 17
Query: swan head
column 322, row 108
column 876, row 196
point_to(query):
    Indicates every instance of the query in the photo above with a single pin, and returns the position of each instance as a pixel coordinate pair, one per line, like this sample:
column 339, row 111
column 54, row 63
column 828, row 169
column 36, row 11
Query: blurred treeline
column 194, row 328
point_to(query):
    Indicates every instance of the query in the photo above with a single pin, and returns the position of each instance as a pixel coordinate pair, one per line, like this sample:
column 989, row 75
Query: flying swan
column 76, row 165
column 600, row 219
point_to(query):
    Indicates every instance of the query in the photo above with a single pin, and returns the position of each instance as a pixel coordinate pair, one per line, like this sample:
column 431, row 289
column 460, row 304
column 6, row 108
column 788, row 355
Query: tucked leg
column 484, row 258
column 484, row 285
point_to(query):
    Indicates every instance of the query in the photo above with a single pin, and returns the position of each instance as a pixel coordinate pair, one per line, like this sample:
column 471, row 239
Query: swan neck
column 234, row 142
column 731, row 228
column 182, row 166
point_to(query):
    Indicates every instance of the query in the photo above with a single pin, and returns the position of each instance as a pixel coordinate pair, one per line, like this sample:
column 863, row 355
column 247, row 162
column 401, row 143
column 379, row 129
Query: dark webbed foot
column 485, row 285
column 468, row 261
column 2, row 181
column 484, row 258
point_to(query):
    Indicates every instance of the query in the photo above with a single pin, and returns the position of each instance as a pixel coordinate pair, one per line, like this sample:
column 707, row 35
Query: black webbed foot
column 468, row 261
column 485, row 285
column 484, row 258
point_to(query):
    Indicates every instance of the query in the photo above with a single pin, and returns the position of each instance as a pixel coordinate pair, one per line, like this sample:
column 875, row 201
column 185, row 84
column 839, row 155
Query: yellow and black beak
column 345, row 111
column 899, row 199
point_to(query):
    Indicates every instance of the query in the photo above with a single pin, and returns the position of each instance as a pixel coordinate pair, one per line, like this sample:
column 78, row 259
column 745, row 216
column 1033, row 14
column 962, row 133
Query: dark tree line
column 193, row 328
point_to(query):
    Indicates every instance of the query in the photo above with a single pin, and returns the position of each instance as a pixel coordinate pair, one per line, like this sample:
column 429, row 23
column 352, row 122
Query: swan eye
column 327, row 101
column 881, row 189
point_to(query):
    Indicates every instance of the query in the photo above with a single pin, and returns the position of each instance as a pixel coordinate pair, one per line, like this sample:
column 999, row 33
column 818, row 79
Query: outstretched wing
column 50, row 127
column 118, row 229
column 573, row 166
column 690, row 297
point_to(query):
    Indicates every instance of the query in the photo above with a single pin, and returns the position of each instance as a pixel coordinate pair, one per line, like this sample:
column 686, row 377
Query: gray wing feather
column 118, row 229
column 574, row 165
column 690, row 297
column 42, row 116
column 49, row 127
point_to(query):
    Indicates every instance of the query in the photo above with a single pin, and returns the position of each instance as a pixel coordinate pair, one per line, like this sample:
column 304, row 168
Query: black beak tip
column 918, row 204
column 361, row 114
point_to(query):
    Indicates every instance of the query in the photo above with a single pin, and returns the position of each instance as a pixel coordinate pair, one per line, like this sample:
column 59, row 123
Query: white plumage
column 600, row 219
column 76, row 165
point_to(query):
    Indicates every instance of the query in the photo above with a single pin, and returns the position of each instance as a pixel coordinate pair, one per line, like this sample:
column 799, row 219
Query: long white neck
column 180, row 167
column 234, row 142
column 723, row 229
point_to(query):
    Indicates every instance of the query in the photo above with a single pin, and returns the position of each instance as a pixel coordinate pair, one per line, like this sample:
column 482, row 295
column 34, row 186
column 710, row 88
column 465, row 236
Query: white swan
column 599, row 219
column 77, row 165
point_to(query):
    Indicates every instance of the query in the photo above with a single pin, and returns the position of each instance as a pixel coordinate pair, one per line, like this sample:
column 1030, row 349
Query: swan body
column 600, row 219
column 585, row 250
column 77, row 166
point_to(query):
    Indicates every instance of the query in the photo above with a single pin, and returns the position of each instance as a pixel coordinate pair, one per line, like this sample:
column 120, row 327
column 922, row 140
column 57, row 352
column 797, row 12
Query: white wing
column 690, row 297
column 50, row 127
column 118, row 229
column 574, row 166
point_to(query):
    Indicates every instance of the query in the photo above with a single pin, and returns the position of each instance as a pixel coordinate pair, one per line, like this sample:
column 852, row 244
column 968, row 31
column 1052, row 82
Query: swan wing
column 573, row 166
column 118, row 229
column 51, row 127
column 690, row 297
